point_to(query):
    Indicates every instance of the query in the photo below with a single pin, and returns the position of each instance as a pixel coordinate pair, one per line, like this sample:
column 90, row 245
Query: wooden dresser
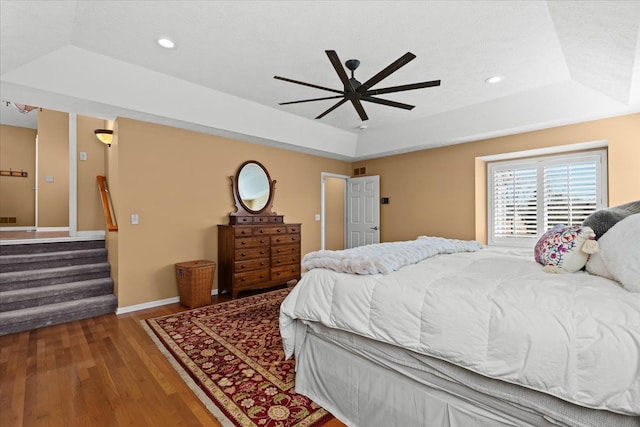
column 256, row 255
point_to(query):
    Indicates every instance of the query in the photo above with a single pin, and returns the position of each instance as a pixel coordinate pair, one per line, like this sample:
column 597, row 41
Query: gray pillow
column 602, row 220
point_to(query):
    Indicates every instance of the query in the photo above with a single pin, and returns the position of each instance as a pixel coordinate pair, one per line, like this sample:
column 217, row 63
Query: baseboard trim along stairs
column 44, row 284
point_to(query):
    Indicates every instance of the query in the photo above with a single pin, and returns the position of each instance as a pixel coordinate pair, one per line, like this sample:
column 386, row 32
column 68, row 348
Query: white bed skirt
column 361, row 388
column 359, row 393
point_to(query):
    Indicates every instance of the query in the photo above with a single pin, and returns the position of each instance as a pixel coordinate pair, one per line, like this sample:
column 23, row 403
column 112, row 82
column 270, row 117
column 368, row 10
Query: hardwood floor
column 31, row 235
column 104, row 371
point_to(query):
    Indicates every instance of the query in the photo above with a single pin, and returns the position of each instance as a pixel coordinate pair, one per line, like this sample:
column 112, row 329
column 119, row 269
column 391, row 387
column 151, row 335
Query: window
column 529, row 196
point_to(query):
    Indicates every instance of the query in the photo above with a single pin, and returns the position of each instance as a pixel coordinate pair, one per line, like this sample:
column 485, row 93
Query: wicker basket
column 194, row 282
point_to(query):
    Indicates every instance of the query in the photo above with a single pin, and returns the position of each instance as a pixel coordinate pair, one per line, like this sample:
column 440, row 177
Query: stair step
column 53, row 276
column 32, row 261
column 32, row 248
column 53, row 314
column 32, row 297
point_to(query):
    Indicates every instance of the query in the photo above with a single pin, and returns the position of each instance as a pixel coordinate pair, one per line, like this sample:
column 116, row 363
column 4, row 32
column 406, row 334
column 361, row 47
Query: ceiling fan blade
column 307, row 84
column 394, row 66
column 402, row 87
column 360, row 109
column 337, row 65
column 387, row 102
column 309, row 100
column 339, row 103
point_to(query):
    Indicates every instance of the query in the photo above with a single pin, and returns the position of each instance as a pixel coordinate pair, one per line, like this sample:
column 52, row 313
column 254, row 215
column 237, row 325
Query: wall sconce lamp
column 105, row 136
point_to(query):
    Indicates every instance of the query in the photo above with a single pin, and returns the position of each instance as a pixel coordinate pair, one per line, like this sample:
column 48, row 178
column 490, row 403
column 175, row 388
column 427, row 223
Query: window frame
column 600, row 157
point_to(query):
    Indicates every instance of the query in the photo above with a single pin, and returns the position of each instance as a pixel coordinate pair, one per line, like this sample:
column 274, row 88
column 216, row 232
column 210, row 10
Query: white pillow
column 619, row 256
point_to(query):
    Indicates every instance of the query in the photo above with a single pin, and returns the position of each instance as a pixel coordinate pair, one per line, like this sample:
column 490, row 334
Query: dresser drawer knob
column 261, row 252
column 243, row 266
column 262, row 230
column 262, row 276
column 261, row 241
column 243, row 243
column 243, row 254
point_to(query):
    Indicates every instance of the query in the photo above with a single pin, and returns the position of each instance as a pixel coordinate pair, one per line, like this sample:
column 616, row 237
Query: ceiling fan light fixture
column 355, row 92
column 166, row 42
column 493, row 79
column 105, row 136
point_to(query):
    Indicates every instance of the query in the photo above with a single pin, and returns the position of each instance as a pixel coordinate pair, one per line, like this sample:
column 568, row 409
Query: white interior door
column 363, row 211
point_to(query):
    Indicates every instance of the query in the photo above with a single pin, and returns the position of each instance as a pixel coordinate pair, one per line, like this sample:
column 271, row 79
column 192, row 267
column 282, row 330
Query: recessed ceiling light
column 493, row 79
column 166, row 43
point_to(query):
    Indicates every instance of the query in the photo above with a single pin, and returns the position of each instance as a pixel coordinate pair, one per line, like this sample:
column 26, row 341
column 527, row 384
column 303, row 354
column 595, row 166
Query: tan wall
column 18, row 152
column 442, row 191
column 53, row 160
column 334, row 220
column 178, row 183
column 90, row 213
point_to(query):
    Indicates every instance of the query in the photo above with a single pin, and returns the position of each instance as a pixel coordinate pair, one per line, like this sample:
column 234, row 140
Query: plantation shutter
column 528, row 197
column 515, row 207
column 570, row 193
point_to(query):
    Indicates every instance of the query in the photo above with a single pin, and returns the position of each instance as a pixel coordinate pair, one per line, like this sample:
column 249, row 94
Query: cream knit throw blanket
column 384, row 258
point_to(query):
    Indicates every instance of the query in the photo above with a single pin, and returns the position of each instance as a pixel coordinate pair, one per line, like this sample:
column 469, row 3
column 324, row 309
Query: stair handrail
column 107, row 205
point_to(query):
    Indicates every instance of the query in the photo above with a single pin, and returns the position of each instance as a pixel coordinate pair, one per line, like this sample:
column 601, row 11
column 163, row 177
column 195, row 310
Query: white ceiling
column 562, row 62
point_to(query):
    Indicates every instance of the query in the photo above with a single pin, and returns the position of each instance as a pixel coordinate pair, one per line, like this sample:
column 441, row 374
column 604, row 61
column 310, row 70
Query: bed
column 466, row 337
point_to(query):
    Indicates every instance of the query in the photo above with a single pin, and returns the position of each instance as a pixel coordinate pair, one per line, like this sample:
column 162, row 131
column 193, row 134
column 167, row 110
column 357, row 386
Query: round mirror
column 253, row 186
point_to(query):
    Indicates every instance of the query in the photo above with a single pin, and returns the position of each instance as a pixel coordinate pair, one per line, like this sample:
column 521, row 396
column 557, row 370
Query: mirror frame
column 241, row 208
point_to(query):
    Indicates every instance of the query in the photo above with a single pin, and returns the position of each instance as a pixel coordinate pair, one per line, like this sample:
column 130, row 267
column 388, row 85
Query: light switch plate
column 48, row 178
column 317, row 217
column 135, row 219
column 83, row 155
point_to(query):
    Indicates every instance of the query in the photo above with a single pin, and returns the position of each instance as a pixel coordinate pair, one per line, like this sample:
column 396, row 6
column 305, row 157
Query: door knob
column 374, row 228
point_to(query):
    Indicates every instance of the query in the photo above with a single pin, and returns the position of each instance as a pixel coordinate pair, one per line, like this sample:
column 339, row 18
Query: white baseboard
column 27, row 228
column 52, row 229
column 152, row 304
column 97, row 234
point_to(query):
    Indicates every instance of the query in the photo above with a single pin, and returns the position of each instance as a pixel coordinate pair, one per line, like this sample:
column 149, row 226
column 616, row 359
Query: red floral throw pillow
column 565, row 249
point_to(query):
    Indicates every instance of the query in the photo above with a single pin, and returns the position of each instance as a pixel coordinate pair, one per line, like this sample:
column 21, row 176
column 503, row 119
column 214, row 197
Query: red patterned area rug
column 231, row 356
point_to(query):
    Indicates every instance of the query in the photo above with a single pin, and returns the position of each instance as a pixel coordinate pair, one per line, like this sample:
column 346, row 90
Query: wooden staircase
column 44, row 284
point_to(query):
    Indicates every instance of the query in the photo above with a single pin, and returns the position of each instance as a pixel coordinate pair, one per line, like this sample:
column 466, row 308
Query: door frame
column 323, row 206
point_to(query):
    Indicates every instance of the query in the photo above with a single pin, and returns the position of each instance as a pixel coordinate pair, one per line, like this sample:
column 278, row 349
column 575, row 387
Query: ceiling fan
column 355, row 91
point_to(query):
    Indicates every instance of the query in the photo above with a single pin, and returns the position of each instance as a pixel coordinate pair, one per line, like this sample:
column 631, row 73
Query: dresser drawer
column 249, row 242
column 286, row 272
column 251, row 264
column 293, row 258
column 251, row 253
column 293, row 229
column 250, row 278
column 258, row 231
column 284, row 250
column 284, row 239
column 242, row 231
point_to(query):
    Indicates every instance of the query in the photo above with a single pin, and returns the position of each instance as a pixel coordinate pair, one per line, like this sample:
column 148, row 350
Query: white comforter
column 384, row 258
column 575, row 336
